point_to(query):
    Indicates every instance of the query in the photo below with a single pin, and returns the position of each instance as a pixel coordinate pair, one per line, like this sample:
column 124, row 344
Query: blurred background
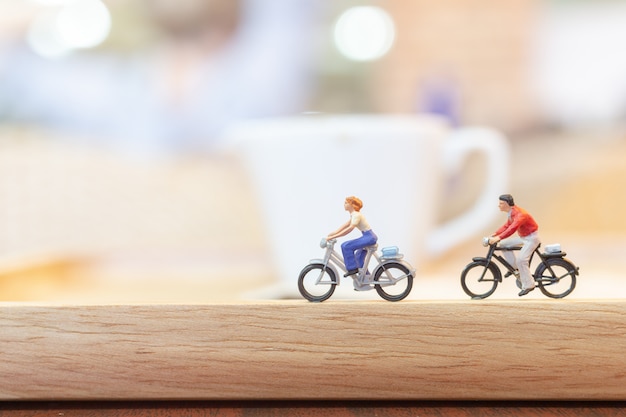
column 114, row 186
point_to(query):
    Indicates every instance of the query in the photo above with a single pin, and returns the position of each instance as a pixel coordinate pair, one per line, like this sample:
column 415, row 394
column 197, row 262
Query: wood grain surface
column 295, row 350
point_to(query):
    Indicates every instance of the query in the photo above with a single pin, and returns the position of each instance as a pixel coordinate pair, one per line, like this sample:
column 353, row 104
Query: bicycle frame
column 332, row 259
column 491, row 254
column 510, row 268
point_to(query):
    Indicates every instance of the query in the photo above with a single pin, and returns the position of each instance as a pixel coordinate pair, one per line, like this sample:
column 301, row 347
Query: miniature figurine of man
column 521, row 222
column 352, row 250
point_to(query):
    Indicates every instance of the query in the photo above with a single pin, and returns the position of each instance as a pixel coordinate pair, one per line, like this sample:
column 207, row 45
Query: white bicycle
column 392, row 277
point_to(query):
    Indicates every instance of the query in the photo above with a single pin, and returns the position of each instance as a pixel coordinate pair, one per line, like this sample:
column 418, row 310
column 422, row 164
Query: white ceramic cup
column 304, row 167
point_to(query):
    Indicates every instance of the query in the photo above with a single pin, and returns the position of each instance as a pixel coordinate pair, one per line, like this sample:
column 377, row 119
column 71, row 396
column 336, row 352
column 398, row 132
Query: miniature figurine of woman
column 352, row 250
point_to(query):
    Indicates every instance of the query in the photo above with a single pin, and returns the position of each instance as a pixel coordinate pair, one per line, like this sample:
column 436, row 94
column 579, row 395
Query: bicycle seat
column 371, row 248
column 513, row 247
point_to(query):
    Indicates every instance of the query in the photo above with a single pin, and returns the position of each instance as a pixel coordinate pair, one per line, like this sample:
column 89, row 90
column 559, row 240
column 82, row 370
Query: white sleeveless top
column 358, row 220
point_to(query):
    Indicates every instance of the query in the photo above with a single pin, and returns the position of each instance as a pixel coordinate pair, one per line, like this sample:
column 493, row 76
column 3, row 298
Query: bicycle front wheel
column 556, row 277
column 317, row 282
column 479, row 279
column 393, row 281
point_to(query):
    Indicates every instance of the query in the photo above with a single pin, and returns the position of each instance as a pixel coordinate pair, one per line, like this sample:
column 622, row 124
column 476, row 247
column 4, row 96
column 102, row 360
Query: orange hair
column 355, row 202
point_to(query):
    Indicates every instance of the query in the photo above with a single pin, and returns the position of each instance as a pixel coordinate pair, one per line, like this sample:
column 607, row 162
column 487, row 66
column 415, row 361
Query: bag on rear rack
column 553, row 251
column 391, row 252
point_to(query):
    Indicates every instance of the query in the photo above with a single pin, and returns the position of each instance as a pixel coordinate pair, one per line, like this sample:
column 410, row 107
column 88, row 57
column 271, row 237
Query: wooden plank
column 337, row 350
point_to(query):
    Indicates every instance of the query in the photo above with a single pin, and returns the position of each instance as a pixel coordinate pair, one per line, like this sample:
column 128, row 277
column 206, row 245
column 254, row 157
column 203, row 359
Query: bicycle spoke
column 480, row 279
column 313, row 285
column 557, row 277
column 396, row 280
column 390, row 279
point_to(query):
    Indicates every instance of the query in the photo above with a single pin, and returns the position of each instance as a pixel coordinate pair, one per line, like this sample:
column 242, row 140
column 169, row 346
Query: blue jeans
column 353, row 252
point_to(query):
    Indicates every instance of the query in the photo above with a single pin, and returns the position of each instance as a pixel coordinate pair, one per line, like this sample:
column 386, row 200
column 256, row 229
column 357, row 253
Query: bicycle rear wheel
column 479, row 279
column 385, row 281
column 556, row 277
column 317, row 282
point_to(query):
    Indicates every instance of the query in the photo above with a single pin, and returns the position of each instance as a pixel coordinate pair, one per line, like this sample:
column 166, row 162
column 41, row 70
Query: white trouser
column 529, row 244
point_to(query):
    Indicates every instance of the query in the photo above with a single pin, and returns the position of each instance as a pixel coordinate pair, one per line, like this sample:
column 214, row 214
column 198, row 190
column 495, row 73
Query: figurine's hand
column 493, row 240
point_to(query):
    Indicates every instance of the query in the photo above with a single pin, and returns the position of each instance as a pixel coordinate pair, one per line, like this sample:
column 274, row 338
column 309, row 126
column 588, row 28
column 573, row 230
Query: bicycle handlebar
column 324, row 242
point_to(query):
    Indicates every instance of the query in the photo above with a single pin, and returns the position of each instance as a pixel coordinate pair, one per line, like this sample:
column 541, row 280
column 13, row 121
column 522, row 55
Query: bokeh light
column 69, row 25
column 364, row 33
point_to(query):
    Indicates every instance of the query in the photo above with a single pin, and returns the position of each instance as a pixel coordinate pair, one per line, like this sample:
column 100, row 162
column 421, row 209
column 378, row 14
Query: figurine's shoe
column 351, row 272
column 525, row 291
column 508, row 274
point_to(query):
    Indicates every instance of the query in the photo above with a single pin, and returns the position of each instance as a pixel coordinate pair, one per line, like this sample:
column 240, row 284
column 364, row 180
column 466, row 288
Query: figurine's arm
column 342, row 231
column 501, row 229
column 509, row 228
column 496, row 236
column 494, row 239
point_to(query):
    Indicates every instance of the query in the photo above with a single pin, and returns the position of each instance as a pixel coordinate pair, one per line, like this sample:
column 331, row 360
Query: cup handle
column 456, row 147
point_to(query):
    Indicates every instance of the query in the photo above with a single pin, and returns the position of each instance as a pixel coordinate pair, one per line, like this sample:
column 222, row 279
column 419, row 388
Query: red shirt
column 519, row 221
